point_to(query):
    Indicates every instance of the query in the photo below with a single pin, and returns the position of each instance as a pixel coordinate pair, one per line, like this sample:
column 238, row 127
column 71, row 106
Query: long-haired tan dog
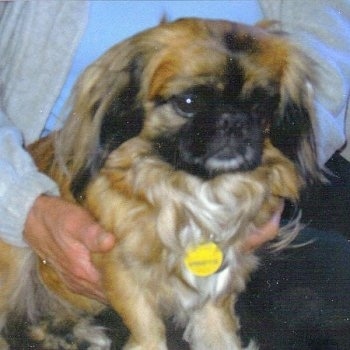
column 180, row 140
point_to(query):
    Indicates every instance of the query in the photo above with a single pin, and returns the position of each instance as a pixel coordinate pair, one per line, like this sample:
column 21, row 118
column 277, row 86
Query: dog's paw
column 92, row 335
column 51, row 339
column 80, row 336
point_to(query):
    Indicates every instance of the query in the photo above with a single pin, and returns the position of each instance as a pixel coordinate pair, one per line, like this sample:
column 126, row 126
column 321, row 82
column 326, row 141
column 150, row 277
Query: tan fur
column 157, row 212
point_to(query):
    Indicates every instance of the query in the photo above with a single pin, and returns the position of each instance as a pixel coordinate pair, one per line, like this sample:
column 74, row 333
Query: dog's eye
column 186, row 105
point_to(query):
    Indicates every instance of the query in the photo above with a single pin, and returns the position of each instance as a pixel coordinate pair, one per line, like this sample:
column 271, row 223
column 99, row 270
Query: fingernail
column 105, row 240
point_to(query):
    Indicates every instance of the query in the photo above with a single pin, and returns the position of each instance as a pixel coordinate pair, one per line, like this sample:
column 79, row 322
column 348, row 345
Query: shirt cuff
column 17, row 201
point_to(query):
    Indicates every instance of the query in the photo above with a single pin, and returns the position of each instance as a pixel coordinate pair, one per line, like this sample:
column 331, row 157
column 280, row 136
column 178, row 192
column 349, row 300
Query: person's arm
column 31, row 77
column 20, row 183
column 62, row 233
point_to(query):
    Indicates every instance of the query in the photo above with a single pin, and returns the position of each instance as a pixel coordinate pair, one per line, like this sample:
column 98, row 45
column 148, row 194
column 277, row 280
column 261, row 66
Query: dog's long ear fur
column 105, row 112
column 292, row 128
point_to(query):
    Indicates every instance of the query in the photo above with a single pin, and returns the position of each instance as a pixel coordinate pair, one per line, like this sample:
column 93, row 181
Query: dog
column 181, row 140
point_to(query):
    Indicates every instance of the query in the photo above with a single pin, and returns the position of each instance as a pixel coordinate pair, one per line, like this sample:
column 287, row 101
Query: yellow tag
column 204, row 259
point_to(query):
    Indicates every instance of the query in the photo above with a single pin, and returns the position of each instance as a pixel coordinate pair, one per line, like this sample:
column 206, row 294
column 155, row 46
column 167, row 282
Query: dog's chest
column 202, row 243
column 158, row 227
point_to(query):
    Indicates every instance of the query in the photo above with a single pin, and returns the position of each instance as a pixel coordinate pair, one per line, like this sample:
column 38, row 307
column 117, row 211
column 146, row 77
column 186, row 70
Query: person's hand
column 267, row 232
column 64, row 235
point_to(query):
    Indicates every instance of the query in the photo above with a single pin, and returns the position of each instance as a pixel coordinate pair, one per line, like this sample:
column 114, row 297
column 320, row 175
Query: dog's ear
column 106, row 111
column 121, row 120
column 291, row 130
column 117, row 126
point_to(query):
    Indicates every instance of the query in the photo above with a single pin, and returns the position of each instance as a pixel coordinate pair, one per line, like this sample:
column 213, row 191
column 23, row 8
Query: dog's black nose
column 234, row 124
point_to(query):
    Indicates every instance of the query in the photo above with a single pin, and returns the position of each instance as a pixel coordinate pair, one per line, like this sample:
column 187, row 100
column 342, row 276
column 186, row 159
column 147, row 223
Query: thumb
column 98, row 240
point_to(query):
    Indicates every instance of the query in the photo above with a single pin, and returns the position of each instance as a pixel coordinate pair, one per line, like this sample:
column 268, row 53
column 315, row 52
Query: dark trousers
column 300, row 298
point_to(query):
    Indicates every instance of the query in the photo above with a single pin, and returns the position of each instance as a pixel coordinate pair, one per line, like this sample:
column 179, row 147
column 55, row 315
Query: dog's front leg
column 137, row 308
column 213, row 327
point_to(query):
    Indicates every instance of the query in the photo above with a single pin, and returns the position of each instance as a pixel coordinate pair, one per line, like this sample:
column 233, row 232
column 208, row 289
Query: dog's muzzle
column 235, row 145
column 227, row 141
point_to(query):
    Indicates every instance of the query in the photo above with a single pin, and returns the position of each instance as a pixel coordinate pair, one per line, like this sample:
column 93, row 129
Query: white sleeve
column 37, row 45
column 20, row 183
column 322, row 28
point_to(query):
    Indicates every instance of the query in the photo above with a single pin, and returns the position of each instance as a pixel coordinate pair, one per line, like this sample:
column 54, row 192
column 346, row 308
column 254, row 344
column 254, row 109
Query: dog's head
column 206, row 95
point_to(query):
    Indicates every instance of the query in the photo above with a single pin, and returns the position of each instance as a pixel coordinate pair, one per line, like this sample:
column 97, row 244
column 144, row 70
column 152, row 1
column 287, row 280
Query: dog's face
column 206, row 95
column 218, row 128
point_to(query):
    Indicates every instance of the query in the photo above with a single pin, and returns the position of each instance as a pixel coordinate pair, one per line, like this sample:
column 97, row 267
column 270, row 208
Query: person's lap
column 299, row 298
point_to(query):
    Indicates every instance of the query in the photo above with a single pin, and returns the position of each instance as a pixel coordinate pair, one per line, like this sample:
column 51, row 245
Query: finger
column 83, row 287
column 82, row 279
column 96, row 239
column 260, row 235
